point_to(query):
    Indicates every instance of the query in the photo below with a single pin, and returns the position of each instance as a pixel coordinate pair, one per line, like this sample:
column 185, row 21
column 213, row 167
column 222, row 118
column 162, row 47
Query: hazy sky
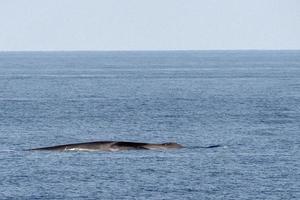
column 149, row 24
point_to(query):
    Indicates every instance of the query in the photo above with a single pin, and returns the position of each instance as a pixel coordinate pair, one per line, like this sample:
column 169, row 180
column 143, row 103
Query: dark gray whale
column 110, row 146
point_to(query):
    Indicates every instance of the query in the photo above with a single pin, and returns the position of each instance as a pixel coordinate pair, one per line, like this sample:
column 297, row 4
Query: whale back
column 98, row 145
column 169, row 145
column 128, row 145
column 110, row 146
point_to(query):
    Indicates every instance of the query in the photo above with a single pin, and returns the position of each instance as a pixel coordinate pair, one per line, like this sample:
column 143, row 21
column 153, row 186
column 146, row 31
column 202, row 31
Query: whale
column 110, row 146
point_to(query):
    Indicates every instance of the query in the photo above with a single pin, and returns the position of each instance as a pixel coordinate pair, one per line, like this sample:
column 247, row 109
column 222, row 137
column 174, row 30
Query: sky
column 56, row 25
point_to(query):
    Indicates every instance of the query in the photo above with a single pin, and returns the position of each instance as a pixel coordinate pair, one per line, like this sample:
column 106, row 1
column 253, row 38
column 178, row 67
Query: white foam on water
column 78, row 149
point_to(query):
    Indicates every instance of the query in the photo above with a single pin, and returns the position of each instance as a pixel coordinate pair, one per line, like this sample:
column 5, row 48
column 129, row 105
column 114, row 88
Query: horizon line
column 142, row 50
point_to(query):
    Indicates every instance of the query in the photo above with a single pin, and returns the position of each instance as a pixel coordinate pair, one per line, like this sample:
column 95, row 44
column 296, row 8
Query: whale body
column 110, row 146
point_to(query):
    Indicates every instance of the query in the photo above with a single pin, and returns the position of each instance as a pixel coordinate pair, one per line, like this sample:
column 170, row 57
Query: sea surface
column 246, row 101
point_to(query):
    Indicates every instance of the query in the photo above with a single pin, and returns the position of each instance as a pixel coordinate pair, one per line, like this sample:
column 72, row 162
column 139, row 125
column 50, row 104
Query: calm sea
column 246, row 101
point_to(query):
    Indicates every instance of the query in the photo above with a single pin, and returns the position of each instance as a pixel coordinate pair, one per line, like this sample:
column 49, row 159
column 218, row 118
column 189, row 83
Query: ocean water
column 246, row 101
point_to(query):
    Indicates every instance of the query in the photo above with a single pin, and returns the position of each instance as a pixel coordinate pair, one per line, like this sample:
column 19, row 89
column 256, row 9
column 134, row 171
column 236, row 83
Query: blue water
column 246, row 101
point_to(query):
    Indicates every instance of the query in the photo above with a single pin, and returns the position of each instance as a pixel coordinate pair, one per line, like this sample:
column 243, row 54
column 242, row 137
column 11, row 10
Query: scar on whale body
column 110, row 146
